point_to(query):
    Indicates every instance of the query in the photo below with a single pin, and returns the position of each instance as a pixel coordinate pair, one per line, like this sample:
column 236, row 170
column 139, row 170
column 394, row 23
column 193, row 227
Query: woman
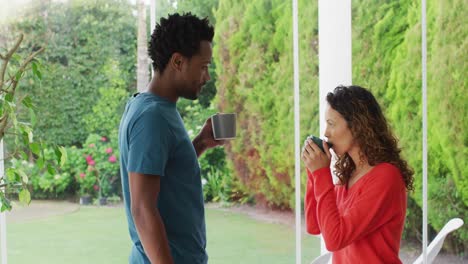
column 361, row 218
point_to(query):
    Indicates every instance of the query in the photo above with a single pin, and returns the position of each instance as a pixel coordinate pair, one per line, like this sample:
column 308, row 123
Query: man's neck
column 160, row 86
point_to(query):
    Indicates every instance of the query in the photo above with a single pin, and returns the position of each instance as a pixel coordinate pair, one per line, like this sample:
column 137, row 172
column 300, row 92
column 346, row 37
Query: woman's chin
column 338, row 153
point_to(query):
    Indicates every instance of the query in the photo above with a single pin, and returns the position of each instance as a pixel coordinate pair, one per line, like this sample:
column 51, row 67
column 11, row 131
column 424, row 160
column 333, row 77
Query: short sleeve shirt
column 154, row 141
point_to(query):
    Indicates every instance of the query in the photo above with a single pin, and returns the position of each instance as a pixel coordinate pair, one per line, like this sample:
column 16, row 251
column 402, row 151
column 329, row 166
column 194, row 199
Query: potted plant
column 87, row 185
column 101, row 157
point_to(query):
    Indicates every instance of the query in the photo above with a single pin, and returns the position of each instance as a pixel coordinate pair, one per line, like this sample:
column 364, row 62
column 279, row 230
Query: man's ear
column 176, row 61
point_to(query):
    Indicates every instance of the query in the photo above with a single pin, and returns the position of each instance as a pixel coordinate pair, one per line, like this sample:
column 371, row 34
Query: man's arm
column 199, row 146
column 144, row 191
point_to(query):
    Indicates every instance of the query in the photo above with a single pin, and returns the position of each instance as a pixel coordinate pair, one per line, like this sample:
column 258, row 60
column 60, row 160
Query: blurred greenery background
column 89, row 71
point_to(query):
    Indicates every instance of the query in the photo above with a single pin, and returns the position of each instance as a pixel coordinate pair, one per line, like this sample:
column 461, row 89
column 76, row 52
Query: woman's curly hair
column 178, row 33
column 371, row 131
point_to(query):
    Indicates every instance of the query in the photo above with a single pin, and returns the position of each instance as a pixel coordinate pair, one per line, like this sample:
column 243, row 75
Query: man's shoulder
column 144, row 109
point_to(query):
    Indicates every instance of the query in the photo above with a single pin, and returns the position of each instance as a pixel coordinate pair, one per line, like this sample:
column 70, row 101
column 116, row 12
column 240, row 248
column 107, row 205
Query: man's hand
column 205, row 139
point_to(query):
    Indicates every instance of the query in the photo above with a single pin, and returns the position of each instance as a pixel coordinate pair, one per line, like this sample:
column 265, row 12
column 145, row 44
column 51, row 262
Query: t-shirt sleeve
column 149, row 144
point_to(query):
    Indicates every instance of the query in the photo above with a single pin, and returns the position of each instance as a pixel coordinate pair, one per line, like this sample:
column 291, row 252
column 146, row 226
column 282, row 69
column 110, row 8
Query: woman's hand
column 313, row 157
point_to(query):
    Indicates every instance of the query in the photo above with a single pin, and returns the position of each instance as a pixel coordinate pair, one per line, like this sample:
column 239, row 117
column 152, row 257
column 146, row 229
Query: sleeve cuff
column 323, row 181
column 312, row 175
column 318, row 172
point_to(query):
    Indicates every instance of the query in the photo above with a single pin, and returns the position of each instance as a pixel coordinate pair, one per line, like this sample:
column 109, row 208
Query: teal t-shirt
column 153, row 140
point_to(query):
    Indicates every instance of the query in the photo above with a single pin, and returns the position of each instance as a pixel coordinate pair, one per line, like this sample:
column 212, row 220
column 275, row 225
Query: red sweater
column 362, row 224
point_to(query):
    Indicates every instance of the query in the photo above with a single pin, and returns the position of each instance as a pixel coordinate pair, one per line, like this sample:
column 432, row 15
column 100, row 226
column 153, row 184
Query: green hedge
column 392, row 32
column 254, row 67
column 91, row 170
column 253, row 55
column 254, row 78
column 86, row 41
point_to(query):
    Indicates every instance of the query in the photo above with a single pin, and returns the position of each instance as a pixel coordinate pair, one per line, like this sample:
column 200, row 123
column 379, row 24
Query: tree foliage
column 82, row 38
column 13, row 67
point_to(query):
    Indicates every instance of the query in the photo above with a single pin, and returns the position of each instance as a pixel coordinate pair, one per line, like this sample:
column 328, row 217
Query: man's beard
column 190, row 94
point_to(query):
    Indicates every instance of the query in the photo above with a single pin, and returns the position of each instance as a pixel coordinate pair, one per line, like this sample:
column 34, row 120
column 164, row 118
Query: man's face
column 195, row 72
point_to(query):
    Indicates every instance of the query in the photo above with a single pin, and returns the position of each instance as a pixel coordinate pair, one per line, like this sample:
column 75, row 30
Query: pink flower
column 90, row 161
column 112, row 159
column 92, row 145
column 103, row 139
column 82, row 175
column 109, row 150
column 96, row 188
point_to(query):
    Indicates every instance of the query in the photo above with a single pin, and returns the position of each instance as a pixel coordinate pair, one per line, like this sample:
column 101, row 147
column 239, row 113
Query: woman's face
column 338, row 132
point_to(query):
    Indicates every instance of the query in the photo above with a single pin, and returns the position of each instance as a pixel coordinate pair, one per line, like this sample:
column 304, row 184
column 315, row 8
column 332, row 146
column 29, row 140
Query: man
column 159, row 167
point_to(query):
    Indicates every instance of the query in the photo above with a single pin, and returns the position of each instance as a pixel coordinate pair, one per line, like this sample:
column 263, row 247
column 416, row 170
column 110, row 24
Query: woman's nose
column 326, row 134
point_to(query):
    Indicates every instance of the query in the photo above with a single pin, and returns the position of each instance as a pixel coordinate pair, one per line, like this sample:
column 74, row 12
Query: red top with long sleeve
column 362, row 224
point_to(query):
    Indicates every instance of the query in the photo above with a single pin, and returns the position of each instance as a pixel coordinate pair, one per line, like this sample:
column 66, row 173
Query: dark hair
column 178, row 33
column 371, row 131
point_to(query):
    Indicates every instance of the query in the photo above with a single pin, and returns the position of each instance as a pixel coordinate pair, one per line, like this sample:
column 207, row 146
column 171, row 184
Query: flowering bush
column 92, row 170
column 86, row 178
column 101, row 174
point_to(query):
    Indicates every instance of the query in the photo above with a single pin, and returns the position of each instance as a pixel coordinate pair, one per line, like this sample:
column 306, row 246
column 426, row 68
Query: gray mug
column 224, row 126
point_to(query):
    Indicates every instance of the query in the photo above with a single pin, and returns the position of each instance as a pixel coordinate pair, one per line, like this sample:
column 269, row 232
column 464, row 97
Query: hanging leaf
column 6, row 204
column 36, row 71
column 40, row 162
column 24, row 155
column 24, row 197
column 9, row 97
column 11, row 174
column 18, row 75
column 63, row 158
column 35, row 148
column 30, row 136
column 27, row 101
column 34, row 66
column 61, row 154
column 58, row 153
column 16, row 57
column 50, row 169
column 23, row 176
column 33, row 117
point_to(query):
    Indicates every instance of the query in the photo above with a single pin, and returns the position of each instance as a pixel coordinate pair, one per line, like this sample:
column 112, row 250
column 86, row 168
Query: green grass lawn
column 99, row 235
